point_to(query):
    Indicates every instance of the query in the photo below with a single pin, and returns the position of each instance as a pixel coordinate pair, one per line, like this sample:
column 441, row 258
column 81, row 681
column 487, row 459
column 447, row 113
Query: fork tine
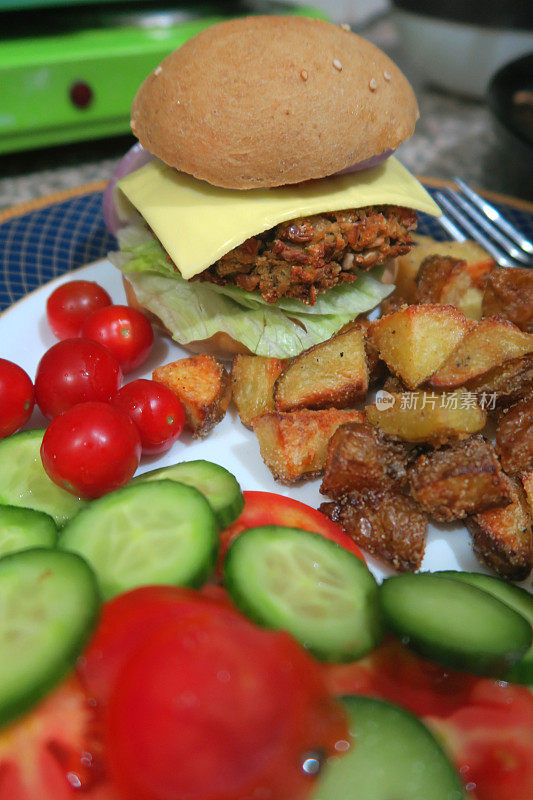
column 489, row 228
column 499, row 255
column 451, row 229
column 494, row 215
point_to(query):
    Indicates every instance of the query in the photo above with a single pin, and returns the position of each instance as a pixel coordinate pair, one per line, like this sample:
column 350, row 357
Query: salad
column 172, row 636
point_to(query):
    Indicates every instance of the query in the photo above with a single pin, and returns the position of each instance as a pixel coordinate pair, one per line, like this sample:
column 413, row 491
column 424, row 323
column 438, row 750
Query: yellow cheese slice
column 198, row 223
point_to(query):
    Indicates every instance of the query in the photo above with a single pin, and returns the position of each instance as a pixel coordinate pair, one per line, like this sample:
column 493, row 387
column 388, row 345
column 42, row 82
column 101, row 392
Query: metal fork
column 467, row 211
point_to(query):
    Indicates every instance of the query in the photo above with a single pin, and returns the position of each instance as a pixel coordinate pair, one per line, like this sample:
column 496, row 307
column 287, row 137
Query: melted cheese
column 198, row 223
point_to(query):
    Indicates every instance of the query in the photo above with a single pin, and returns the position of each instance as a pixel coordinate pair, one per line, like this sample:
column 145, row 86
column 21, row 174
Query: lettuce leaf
column 195, row 310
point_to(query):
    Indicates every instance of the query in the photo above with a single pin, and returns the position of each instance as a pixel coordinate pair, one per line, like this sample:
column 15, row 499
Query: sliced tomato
column 266, row 508
column 54, row 752
column 216, row 708
column 127, row 621
column 486, row 726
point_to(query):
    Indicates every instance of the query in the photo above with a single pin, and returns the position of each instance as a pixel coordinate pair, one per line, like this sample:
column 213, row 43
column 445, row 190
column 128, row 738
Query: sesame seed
column 158, row 70
column 387, row 75
column 303, row 75
column 178, row 102
column 373, row 84
column 337, row 64
column 345, row 26
column 132, row 124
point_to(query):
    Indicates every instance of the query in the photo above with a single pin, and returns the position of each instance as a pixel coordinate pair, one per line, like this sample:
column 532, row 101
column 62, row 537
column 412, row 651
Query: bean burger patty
column 306, row 256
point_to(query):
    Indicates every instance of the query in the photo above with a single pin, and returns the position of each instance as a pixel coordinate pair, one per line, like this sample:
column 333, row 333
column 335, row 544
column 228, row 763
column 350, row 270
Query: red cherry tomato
column 126, row 622
column 16, row 397
column 265, row 508
column 216, row 708
column 156, row 411
column 126, row 332
column 75, row 371
column 91, row 449
column 70, row 304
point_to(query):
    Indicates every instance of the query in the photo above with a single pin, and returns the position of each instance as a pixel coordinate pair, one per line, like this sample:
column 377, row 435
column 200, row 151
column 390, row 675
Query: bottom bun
column 220, row 345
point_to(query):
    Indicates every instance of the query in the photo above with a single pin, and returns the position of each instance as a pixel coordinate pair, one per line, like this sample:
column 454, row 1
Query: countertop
column 454, row 136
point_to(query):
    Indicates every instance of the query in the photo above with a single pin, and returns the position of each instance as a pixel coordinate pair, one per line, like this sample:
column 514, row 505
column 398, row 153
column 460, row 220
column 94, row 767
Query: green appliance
column 69, row 69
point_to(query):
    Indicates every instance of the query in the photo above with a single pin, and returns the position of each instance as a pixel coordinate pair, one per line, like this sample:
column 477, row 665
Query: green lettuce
column 195, row 310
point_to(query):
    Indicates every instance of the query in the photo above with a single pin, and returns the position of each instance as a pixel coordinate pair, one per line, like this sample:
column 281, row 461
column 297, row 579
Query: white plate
column 24, row 337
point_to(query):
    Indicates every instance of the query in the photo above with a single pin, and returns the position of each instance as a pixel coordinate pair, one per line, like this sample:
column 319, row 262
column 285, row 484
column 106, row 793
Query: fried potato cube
column 333, row 374
column 489, row 343
column 416, row 340
column 453, row 281
column 428, row 417
column 409, row 264
column 509, row 294
column 294, row 444
column 252, row 385
column 514, row 436
column 203, row 386
column 527, row 482
column 501, row 537
column 389, row 526
column 361, row 459
column 511, row 380
column 454, row 483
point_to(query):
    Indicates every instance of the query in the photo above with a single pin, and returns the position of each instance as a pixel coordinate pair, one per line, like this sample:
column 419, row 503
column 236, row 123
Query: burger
column 270, row 205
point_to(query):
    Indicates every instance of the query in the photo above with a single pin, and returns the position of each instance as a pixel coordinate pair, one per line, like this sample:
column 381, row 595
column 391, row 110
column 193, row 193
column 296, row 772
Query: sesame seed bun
column 266, row 101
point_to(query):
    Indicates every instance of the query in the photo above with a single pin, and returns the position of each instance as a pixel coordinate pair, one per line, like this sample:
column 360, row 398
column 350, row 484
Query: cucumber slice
column 392, row 755
column 455, row 624
column 22, row 528
column 308, row 585
column 23, row 481
column 160, row 532
column 219, row 487
column 48, row 605
column 514, row 596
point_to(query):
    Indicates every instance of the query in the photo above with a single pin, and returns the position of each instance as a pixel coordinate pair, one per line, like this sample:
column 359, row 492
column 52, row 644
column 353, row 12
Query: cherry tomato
column 70, row 304
column 216, row 708
column 16, row 397
column 265, row 508
column 156, row 411
column 126, row 332
column 127, row 621
column 75, row 371
column 91, row 449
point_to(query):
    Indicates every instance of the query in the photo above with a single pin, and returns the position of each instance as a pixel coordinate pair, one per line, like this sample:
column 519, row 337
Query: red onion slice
column 135, row 158
column 368, row 163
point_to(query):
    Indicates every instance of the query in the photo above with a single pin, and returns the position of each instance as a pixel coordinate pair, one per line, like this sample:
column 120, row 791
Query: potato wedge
column 501, row 537
column 333, row 374
column 489, row 343
column 428, row 417
column 509, row 294
column 389, row 526
column 509, row 381
column 294, row 444
column 416, row 340
column 452, row 281
column 360, row 459
column 514, row 436
column 454, row 483
column 203, row 386
column 252, row 385
column 408, row 265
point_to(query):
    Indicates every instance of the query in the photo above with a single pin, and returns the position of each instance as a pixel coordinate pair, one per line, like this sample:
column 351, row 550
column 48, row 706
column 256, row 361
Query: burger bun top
column 265, row 101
